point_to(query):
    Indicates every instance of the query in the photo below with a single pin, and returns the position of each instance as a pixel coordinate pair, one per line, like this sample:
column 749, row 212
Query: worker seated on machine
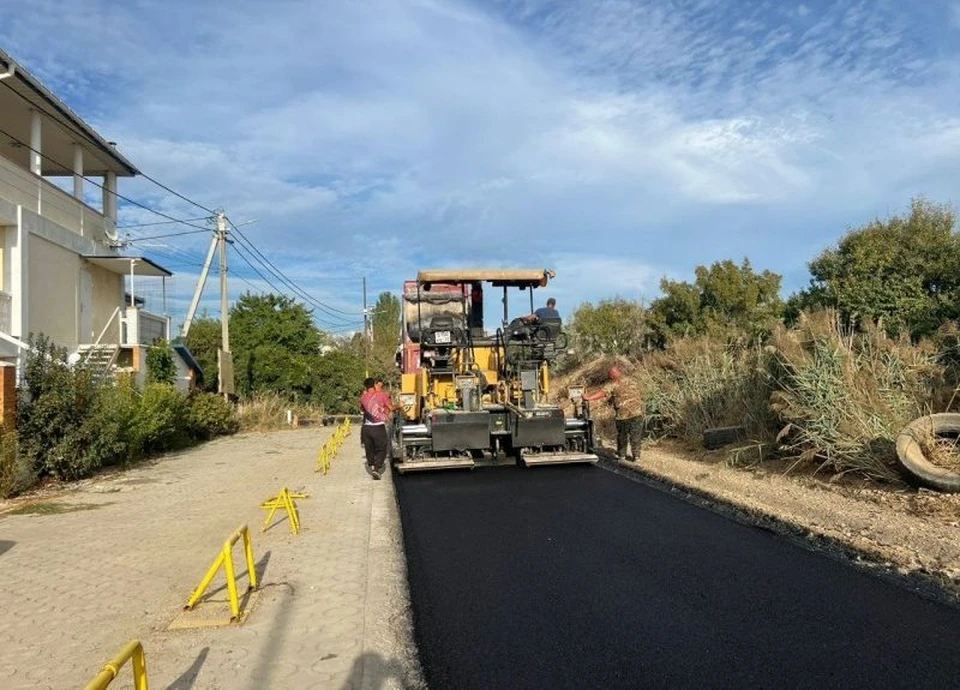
column 542, row 325
column 545, row 314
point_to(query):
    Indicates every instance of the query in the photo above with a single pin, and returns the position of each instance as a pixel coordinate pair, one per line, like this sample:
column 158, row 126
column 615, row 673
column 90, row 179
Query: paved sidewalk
column 332, row 611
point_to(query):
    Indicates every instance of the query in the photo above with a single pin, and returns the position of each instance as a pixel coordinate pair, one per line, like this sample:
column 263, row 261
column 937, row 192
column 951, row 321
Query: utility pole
column 366, row 329
column 222, row 244
column 224, row 357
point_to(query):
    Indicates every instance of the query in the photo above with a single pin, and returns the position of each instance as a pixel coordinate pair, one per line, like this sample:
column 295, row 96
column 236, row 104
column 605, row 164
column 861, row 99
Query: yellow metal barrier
column 330, row 449
column 226, row 559
column 284, row 500
column 134, row 651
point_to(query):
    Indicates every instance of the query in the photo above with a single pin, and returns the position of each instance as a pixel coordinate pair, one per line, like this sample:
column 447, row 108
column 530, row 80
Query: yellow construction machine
column 473, row 396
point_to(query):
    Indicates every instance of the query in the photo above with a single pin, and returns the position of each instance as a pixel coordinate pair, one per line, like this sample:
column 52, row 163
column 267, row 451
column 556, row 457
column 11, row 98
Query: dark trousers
column 375, row 444
column 629, row 430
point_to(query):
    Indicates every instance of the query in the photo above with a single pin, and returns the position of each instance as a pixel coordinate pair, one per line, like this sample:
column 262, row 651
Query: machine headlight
column 575, row 393
column 408, row 399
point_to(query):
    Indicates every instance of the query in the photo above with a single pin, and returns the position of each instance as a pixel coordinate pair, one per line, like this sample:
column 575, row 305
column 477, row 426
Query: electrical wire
column 331, row 311
column 160, row 222
column 70, row 129
column 243, row 256
column 269, row 265
column 172, row 234
column 97, row 184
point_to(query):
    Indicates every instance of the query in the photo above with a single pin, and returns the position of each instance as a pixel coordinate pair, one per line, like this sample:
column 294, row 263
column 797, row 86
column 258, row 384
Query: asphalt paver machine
column 472, row 396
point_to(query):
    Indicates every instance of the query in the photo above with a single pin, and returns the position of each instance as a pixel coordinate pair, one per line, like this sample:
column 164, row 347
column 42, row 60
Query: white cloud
column 373, row 138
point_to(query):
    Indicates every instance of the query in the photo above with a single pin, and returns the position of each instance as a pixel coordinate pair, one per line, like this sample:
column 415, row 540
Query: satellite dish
column 110, row 230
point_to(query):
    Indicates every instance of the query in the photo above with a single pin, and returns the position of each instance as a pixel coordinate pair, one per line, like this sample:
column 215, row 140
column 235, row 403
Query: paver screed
column 124, row 557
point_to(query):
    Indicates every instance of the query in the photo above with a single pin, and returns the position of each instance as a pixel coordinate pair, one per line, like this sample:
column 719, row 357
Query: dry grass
column 941, row 451
column 268, row 412
column 842, row 398
column 823, row 397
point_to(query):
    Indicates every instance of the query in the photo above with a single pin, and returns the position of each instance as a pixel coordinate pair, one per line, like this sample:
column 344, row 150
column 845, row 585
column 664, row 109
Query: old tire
column 914, row 462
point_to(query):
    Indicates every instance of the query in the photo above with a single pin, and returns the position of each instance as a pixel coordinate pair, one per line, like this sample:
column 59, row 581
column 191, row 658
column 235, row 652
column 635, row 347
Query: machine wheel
column 911, row 456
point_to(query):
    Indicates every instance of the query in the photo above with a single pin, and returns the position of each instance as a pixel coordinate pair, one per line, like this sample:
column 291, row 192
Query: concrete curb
column 388, row 619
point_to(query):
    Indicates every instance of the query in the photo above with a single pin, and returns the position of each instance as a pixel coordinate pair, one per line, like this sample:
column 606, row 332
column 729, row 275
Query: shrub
column 161, row 367
column 53, row 404
column 209, row 415
column 108, row 429
column 161, row 422
column 15, row 474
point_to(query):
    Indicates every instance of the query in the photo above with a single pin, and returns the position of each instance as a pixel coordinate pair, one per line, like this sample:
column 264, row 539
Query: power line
column 77, row 132
column 159, row 222
column 324, row 320
column 281, row 276
column 97, row 184
column 172, row 234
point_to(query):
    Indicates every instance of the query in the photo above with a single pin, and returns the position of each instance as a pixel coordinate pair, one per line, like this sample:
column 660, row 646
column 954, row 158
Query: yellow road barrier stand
column 226, row 559
column 283, row 500
column 330, row 449
column 323, row 460
column 134, row 651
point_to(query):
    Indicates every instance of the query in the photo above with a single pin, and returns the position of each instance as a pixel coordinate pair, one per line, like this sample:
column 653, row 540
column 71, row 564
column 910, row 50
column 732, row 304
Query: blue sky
column 613, row 141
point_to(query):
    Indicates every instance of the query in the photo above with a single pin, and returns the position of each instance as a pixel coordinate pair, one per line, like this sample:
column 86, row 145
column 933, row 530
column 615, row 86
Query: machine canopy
column 500, row 278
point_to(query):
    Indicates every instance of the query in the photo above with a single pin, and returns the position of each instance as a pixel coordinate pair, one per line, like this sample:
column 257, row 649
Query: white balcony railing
column 22, row 187
column 140, row 327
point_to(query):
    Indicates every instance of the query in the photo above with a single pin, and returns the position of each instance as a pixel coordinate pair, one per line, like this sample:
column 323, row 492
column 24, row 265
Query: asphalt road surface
column 574, row 577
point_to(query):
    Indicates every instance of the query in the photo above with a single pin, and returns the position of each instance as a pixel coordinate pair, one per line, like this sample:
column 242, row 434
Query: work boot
column 376, row 475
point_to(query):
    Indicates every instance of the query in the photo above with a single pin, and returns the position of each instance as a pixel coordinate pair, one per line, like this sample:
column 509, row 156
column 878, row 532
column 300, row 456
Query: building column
column 78, row 171
column 110, row 199
column 36, row 143
column 17, row 242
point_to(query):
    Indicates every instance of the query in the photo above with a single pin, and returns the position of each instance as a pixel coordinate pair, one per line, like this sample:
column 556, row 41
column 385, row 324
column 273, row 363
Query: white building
column 61, row 273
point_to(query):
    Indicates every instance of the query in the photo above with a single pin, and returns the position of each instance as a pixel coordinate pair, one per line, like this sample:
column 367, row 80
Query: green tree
column 161, row 367
column 612, row 326
column 902, row 272
column 385, row 331
column 204, row 341
column 274, row 343
column 725, row 300
column 338, row 381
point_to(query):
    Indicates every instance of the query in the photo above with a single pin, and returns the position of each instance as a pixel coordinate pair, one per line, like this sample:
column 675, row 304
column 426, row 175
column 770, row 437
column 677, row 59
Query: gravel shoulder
column 906, row 534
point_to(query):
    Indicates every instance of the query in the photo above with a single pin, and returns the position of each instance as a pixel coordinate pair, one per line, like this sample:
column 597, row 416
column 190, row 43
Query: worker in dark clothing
column 547, row 312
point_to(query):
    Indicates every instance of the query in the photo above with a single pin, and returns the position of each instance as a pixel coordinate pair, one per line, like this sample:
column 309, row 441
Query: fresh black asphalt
column 575, row 577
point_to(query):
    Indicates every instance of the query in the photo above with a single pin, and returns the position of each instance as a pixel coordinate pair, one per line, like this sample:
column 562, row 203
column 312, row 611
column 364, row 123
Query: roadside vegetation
column 72, row 422
column 826, row 379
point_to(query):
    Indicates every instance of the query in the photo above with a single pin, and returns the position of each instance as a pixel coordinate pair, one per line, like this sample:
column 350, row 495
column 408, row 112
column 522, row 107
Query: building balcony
column 140, row 327
column 32, row 192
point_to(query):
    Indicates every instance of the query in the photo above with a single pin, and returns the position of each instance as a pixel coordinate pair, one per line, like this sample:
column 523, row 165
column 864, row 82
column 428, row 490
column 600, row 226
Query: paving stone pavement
column 332, row 610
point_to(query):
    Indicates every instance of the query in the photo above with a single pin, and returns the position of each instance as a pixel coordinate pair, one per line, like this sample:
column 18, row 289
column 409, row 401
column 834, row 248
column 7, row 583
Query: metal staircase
column 99, row 359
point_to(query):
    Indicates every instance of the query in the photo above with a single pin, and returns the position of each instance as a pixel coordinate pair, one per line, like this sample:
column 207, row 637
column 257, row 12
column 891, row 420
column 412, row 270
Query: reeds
column 826, row 397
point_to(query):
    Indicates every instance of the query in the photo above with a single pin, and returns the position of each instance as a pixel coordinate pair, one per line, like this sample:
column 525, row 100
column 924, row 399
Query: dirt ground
column 899, row 531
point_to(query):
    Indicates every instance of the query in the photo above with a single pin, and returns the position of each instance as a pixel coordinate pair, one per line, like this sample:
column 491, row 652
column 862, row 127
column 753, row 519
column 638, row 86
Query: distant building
column 61, row 272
